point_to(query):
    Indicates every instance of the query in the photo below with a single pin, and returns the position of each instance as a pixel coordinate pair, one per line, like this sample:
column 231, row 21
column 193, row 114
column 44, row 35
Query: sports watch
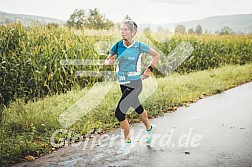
column 151, row 68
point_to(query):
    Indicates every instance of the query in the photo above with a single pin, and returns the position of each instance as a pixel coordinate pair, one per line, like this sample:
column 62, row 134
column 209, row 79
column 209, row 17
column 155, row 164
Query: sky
column 141, row 11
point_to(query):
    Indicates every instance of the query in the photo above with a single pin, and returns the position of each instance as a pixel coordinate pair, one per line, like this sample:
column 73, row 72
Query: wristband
column 151, row 68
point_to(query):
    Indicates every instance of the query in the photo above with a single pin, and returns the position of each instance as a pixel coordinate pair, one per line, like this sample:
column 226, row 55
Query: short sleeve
column 112, row 50
column 144, row 48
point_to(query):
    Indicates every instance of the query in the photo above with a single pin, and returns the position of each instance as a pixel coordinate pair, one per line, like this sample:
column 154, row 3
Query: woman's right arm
column 110, row 60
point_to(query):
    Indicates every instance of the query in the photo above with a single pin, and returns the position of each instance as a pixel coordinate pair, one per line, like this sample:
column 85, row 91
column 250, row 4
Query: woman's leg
column 133, row 100
column 126, row 128
column 121, row 111
column 137, row 85
column 144, row 118
column 150, row 128
column 129, row 98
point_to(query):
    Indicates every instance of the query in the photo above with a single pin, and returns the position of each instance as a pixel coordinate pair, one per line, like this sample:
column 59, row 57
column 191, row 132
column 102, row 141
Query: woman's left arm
column 156, row 57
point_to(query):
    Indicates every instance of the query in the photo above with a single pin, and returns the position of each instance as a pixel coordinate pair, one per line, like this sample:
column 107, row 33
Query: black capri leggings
column 130, row 93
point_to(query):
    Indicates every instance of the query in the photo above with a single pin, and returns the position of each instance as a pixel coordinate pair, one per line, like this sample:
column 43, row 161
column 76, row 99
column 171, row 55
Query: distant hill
column 26, row 19
column 240, row 23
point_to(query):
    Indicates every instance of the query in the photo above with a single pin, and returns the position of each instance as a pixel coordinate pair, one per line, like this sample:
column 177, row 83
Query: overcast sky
column 142, row 11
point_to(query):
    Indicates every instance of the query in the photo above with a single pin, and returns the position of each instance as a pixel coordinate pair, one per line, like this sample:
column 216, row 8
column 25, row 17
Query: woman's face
column 126, row 33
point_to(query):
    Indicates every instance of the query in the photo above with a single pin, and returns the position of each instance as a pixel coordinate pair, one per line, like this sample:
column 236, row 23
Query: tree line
column 92, row 19
column 198, row 30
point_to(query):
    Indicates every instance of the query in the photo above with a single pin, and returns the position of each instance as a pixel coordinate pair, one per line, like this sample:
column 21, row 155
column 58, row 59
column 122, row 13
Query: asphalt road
column 215, row 131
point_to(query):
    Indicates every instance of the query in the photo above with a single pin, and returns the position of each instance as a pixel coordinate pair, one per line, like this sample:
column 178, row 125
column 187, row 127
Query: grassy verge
column 26, row 129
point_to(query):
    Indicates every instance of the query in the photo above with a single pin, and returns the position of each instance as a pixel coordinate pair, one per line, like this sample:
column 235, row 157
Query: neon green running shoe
column 150, row 134
column 125, row 149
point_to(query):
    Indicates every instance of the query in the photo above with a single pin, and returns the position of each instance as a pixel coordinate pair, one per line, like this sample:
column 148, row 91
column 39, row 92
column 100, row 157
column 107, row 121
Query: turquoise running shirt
column 129, row 60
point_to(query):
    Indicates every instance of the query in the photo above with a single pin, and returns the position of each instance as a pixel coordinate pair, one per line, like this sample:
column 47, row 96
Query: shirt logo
column 131, row 58
column 121, row 78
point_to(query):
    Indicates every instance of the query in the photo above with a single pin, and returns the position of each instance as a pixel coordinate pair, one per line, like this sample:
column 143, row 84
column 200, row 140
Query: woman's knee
column 139, row 109
column 119, row 115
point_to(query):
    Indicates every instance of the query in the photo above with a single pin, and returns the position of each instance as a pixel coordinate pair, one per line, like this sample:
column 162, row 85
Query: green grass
column 26, row 128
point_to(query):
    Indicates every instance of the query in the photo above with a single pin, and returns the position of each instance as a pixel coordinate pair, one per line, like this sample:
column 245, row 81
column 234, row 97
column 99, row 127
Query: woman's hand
column 110, row 60
column 146, row 74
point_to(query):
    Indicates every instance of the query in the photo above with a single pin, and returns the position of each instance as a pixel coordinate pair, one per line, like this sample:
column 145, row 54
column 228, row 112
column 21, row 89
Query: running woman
column 129, row 76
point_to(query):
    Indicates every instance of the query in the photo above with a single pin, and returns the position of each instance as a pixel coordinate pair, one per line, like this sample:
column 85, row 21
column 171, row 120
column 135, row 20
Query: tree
column 97, row 21
column 77, row 19
column 190, row 31
column 127, row 17
column 52, row 25
column 226, row 31
column 7, row 21
column 92, row 20
column 180, row 29
column 198, row 29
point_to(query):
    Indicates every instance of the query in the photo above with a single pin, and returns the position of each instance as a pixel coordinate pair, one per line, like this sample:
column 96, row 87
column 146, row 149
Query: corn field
column 30, row 61
column 210, row 51
column 30, row 58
